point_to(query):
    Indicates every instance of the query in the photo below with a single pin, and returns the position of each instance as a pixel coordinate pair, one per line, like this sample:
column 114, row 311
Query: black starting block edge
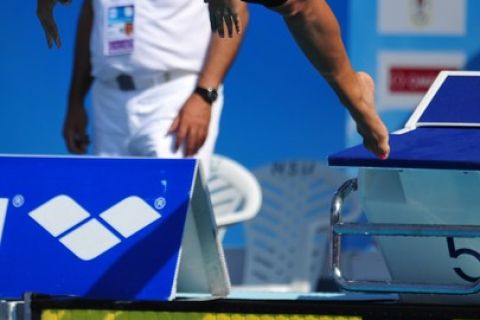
column 36, row 304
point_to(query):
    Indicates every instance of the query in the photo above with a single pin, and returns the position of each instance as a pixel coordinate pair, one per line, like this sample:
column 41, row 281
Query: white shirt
column 168, row 35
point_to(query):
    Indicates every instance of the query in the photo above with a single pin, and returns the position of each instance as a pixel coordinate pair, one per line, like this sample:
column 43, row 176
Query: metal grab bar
column 338, row 228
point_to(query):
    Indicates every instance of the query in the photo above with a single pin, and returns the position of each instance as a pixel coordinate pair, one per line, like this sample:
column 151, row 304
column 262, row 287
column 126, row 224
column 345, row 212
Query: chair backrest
column 235, row 192
column 286, row 243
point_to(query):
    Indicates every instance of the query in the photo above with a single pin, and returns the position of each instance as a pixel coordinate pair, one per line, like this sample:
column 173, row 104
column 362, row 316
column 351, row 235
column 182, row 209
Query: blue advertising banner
column 96, row 228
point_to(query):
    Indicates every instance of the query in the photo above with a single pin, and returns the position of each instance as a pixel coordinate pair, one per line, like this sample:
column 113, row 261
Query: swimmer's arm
column 316, row 30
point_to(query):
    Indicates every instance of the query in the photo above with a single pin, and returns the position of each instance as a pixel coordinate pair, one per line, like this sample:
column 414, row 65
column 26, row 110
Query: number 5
column 455, row 253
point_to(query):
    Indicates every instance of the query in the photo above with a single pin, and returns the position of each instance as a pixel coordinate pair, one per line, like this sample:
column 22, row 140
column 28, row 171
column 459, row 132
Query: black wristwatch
column 208, row 94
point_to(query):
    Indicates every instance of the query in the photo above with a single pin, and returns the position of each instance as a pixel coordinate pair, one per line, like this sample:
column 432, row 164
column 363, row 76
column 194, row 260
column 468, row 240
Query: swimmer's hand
column 45, row 15
column 224, row 13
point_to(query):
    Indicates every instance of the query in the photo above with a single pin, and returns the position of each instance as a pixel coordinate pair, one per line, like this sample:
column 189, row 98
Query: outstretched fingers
column 223, row 15
column 45, row 15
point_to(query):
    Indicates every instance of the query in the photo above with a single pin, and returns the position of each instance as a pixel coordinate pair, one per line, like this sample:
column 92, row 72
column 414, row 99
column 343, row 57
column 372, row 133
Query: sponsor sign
column 404, row 77
column 412, row 79
column 103, row 228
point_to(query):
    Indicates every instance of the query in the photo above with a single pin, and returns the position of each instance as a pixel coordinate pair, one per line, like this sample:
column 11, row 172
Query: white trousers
column 136, row 123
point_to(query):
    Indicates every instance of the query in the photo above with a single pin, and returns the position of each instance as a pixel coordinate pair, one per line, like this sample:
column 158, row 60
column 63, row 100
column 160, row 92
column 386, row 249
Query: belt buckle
column 125, row 82
column 167, row 76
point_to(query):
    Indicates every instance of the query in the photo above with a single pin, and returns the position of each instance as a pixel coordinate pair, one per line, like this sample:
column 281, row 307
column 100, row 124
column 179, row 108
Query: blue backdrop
column 276, row 106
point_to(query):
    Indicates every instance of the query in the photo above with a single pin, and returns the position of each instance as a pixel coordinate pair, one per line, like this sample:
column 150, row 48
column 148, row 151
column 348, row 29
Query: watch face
column 212, row 95
column 209, row 95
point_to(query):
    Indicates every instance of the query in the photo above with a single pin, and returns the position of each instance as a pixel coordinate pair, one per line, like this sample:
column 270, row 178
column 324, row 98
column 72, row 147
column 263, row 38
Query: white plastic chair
column 286, row 243
column 235, row 192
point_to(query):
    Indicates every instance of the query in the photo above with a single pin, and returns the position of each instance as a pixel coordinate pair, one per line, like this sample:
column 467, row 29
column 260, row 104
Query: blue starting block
column 100, row 228
column 423, row 203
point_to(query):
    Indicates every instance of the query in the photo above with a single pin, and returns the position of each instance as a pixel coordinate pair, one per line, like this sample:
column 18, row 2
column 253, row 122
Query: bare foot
column 369, row 124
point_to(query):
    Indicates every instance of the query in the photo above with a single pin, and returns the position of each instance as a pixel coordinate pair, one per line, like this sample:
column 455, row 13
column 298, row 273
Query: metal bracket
column 338, row 228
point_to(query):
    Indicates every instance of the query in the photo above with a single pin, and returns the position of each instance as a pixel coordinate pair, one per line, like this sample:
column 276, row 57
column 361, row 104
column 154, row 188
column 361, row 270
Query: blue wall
column 276, row 108
column 33, row 80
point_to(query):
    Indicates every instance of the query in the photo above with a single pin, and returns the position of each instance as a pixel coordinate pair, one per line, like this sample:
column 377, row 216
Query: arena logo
column 85, row 236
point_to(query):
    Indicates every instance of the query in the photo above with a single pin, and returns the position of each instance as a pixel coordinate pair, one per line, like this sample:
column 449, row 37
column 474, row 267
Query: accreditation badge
column 119, row 27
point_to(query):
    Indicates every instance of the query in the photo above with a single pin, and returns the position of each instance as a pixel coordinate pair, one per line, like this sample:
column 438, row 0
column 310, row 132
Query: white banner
column 436, row 17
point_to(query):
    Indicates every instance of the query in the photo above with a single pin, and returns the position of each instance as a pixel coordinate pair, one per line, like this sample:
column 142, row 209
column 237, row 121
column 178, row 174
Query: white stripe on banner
column 3, row 214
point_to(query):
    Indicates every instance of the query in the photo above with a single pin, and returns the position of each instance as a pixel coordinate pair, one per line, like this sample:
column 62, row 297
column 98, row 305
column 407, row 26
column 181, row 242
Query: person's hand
column 224, row 13
column 75, row 129
column 45, row 15
column 191, row 125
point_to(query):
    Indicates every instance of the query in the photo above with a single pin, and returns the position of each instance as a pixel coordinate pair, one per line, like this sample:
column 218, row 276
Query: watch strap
column 208, row 94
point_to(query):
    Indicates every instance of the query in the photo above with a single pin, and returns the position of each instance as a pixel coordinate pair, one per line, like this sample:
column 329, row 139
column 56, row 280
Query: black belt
column 126, row 82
